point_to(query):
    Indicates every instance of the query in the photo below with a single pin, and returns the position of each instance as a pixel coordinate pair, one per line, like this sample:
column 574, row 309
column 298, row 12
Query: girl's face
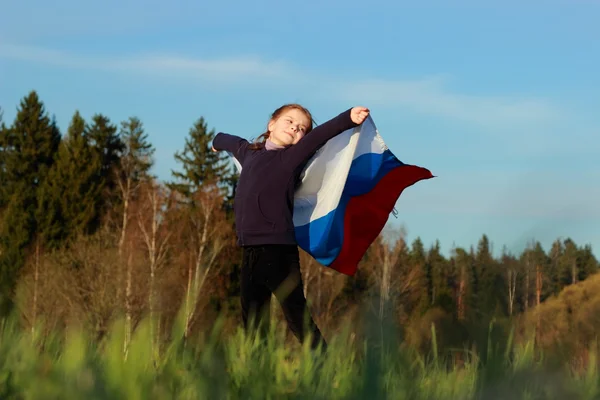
column 289, row 127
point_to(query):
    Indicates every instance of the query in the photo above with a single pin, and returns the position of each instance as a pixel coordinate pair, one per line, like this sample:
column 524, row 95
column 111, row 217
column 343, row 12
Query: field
column 241, row 366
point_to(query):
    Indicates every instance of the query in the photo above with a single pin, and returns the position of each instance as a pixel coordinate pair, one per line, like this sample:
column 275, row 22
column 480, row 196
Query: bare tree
column 512, row 288
column 155, row 236
column 132, row 172
column 511, row 277
column 208, row 237
column 133, row 168
column 322, row 286
column 36, row 277
column 128, row 300
column 387, row 250
column 47, row 290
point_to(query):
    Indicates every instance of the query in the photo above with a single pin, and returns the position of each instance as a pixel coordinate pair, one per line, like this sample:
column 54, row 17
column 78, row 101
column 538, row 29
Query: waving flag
column 347, row 191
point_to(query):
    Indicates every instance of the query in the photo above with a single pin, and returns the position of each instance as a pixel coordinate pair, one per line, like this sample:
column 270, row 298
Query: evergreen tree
column 555, row 255
column 541, row 265
column 440, row 277
column 200, row 164
column 29, row 148
column 569, row 267
column 136, row 158
column 588, row 263
column 493, row 286
column 106, row 146
column 474, row 286
column 418, row 260
column 73, row 189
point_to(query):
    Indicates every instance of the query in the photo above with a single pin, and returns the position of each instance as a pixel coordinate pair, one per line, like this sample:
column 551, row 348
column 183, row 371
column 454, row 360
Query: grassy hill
column 566, row 326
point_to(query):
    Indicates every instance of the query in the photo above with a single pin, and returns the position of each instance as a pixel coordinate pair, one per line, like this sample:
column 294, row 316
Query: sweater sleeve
column 235, row 145
column 301, row 151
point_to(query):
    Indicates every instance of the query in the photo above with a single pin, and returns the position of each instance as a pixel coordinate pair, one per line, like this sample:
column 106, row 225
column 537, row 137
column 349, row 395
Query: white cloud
column 225, row 70
column 427, row 96
column 231, row 69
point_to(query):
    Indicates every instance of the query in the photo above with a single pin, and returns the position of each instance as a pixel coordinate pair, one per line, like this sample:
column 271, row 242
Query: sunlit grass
column 242, row 366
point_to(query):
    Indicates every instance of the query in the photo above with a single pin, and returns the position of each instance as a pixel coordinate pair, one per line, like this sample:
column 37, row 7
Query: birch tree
column 209, row 233
column 153, row 226
column 510, row 265
column 134, row 165
column 387, row 251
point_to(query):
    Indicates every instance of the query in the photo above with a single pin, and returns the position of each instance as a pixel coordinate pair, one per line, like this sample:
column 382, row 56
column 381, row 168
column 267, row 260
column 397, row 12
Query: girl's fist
column 359, row 114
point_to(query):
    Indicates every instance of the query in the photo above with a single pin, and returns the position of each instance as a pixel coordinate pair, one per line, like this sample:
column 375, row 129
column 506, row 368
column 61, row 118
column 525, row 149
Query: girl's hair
column 259, row 143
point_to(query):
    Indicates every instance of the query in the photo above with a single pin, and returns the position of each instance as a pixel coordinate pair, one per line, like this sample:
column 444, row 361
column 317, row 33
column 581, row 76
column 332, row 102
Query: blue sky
column 484, row 95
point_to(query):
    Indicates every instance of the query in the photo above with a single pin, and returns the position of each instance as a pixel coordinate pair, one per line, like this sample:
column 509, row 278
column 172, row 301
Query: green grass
column 241, row 366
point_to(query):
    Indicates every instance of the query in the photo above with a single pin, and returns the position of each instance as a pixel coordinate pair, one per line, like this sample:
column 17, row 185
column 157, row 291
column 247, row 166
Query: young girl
column 263, row 206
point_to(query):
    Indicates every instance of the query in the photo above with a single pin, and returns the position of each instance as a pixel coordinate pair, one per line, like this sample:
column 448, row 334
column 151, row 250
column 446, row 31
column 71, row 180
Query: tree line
column 88, row 234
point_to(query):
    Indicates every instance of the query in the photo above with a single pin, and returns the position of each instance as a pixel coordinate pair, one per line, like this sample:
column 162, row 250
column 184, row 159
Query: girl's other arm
column 232, row 144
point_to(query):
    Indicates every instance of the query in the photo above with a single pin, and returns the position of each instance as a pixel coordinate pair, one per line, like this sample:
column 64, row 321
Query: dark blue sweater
column 264, row 198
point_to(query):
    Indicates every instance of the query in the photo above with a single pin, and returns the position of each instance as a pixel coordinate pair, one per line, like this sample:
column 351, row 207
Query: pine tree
column 440, row 277
column 493, row 286
column 588, row 263
column 418, row 260
column 29, row 149
column 106, row 146
column 569, row 268
column 200, row 164
column 73, row 188
column 136, row 159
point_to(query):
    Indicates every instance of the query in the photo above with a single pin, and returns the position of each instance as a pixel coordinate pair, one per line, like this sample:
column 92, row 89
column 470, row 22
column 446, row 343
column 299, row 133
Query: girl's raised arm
column 298, row 153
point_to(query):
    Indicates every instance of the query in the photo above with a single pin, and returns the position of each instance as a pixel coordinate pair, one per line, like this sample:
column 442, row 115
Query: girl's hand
column 213, row 149
column 359, row 114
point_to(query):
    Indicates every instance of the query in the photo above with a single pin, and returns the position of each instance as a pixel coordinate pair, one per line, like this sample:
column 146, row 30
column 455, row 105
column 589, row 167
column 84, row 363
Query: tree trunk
column 527, row 283
column 36, row 275
column 128, row 317
column 461, row 293
column 198, row 280
column 200, row 273
column 538, row 284
column 512, row 287
column 188, row 297
column 125, row 191
column 385, row 280
column 538, row 293
column 208, row 234
column 156, row 248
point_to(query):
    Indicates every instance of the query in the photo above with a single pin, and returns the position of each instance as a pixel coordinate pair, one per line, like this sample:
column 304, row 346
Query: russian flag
column 348, row 190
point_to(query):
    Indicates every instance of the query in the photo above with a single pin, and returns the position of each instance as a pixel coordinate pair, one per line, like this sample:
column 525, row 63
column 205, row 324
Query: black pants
column 276, row 269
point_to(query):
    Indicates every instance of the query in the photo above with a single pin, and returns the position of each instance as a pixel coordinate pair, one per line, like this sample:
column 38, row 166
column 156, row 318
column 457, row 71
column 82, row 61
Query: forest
column 92, row 241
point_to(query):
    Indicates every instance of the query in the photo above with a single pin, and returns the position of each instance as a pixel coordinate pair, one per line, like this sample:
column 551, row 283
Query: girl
column 263, row 207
